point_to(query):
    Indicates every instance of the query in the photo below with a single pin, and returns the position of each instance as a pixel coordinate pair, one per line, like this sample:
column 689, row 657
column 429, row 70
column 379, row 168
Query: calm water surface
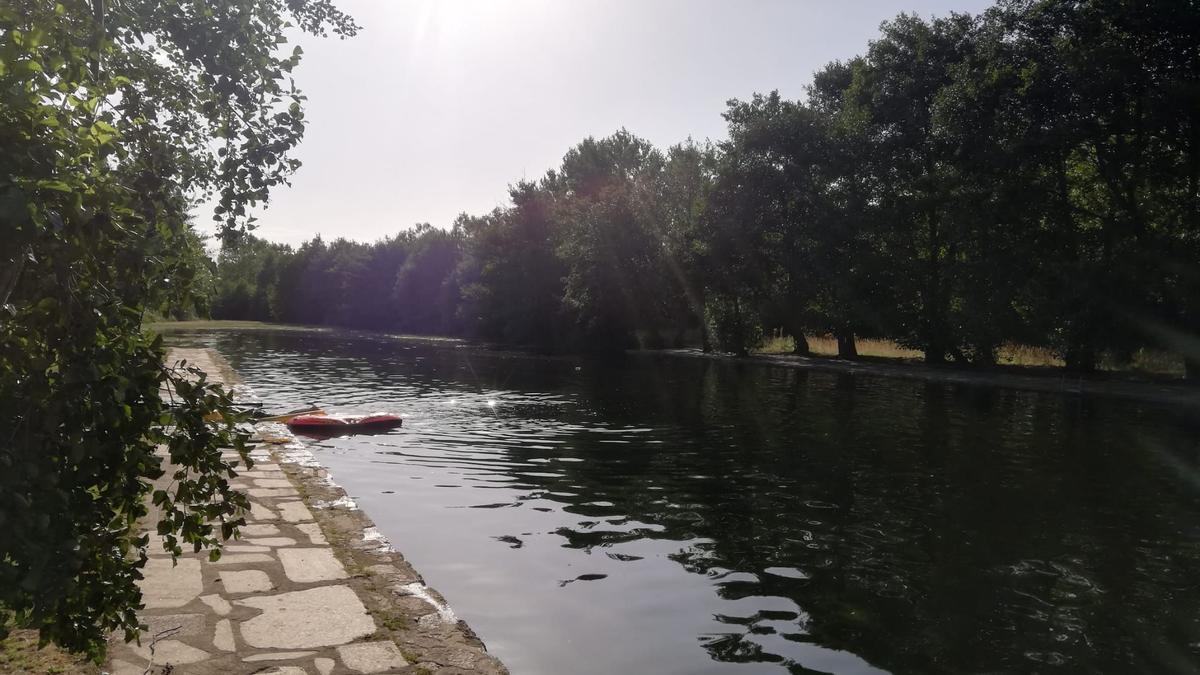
column 675, row 515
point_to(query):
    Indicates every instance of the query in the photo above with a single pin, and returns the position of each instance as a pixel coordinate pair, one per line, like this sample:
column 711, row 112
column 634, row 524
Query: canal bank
column 311, row 586
column 1047, row 380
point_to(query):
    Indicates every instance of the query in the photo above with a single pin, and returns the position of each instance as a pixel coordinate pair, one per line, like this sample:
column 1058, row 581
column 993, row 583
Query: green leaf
column 56, row 185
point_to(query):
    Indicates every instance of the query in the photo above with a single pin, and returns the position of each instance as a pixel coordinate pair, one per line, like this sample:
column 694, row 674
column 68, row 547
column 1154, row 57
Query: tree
column 512, row 276
column 114, row 118
column 1120, row 156
column 797, row 174
column 686, row 183
column 247, row 279
column 771, row 154
column 997, row 196
column 426, row 294
column 1030, row 175
column 604, row 193
column 736, row 228
column 306, row 294
column 893, row 90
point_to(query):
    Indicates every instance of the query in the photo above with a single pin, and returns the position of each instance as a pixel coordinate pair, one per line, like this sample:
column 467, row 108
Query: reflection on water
column 673, row 515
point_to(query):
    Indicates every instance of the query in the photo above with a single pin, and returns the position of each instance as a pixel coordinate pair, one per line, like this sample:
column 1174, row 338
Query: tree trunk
column 800, row 344
column 1191, row 360
column 741, row 348
column 985, row 355
column 933, row 315
column 698, row 307
column 847, row 349
column 1081, row 359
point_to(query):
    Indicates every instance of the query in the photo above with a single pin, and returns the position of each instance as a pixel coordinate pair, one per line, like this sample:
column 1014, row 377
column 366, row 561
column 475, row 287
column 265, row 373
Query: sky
column 436, row 106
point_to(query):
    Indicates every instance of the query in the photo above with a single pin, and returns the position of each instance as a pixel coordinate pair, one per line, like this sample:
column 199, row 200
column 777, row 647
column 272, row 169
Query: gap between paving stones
column 310, row 587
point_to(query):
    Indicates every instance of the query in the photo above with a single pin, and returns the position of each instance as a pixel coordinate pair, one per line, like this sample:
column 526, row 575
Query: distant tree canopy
column 115, row 117
column 1029, row 175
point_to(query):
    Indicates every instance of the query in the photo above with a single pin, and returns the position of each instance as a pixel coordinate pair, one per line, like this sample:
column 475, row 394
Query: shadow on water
column 679, row 515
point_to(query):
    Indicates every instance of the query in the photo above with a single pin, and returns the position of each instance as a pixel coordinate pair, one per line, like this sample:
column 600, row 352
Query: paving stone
column 258, row 530
column 246, row 548
column 173, row 652
column 217, row 604
column 314, row 533
column 166, row 585
column 155, row 545
column 264, row 467
column 246, row 581
column 256, row 472
column 223, row 636
column 273, row 541
column 283, row 670
column 241, row 558
column 324, row 666
column 260, row 512
column 181, row 625
column 294, row 512
column 273, row 493
column 318, row 617
column 372, row 657
column 272, row 483
column 310, row 564
column 277, row 656
column 120, row 667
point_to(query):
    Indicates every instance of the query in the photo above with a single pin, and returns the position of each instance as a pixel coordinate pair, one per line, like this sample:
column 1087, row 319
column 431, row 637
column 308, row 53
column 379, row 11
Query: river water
column 666, row 514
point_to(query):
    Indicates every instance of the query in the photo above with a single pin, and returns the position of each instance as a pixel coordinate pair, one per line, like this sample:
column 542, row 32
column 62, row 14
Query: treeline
column 1030, row 175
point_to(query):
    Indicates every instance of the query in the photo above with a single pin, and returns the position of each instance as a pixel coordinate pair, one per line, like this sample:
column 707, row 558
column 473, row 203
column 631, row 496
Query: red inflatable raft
column 324, row 422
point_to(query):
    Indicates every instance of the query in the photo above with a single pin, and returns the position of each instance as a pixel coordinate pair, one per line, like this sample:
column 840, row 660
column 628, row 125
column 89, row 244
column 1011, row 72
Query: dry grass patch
column 19, row 655
column 1023, row 355
column 1148, row 361
column 826, row 345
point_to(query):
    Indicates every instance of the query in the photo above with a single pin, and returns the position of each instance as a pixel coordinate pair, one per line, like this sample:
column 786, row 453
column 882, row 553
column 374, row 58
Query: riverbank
column 223, row 324
column 1173, row 392
column 311, row 586
column 1121, row 384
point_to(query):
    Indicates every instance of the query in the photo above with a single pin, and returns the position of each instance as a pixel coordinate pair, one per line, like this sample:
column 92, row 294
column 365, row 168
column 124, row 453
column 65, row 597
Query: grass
column 826, row 345
column 209, row 323
column 168, row 325
column 1147, row 361
column 19, row 655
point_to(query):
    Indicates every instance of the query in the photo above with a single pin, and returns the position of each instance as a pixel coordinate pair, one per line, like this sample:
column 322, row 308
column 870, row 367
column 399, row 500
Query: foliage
column 115, row 118
column 1030, row 175
column 609, row 247
column 246, row 278
column 511, row 277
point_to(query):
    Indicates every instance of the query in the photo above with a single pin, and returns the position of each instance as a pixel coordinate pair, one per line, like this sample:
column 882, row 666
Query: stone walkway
column 284, row 599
